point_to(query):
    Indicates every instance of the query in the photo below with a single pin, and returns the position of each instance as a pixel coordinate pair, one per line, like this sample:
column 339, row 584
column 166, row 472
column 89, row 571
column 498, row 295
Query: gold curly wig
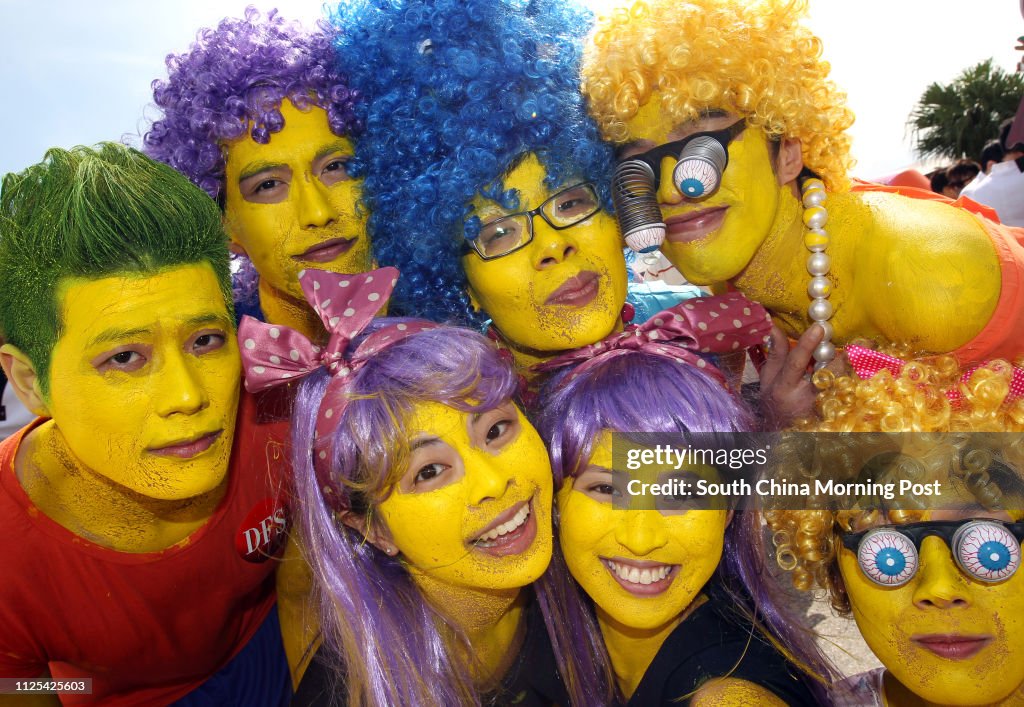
column 926, row 397
column 751, row 57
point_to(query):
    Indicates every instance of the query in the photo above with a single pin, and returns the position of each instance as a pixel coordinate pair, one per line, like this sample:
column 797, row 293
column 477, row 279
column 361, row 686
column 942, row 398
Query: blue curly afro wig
column 457, row 92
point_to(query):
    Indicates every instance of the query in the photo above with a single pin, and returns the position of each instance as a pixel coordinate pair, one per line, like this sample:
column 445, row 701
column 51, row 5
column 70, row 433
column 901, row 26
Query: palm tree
column 956, row 120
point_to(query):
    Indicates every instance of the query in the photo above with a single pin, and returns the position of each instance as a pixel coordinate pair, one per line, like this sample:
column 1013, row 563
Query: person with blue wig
column 483, row 174
column 257, row 115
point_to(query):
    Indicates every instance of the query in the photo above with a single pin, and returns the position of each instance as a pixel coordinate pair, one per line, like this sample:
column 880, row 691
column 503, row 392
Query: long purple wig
column 234, row 78
column 638, row 393
column 376, row 624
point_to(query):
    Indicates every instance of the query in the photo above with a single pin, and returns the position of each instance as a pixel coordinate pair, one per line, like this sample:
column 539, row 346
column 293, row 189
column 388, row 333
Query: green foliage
column 956, row 120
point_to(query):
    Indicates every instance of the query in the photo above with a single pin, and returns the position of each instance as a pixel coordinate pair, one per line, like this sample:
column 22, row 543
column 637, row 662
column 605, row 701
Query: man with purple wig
column 256, row 114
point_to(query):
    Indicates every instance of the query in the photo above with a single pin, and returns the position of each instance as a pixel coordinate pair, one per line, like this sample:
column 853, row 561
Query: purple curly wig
column 377, row 628
column 234, row 76
column 639, row 393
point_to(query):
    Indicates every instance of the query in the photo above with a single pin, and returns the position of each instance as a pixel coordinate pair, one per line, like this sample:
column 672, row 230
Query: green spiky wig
column 94, row 213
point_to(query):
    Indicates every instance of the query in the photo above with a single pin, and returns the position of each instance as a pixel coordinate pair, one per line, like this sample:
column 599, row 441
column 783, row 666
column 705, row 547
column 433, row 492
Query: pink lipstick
column 694, row 225
column 187, row 449
column 952, row 646
column 578, row 291
column 327, row 251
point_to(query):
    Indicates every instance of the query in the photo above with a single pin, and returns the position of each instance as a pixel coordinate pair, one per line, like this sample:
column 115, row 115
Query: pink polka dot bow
column 867, row 362
column 273, row 354
column 703, row 325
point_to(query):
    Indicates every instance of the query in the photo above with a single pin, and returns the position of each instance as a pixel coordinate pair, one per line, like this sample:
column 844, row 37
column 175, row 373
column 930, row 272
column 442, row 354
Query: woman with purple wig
column 257, row 114
column 676, row 586
column 425, row 496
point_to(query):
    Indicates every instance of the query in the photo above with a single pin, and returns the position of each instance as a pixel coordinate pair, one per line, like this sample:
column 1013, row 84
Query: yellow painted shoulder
column 732, row 692
column 921, row 272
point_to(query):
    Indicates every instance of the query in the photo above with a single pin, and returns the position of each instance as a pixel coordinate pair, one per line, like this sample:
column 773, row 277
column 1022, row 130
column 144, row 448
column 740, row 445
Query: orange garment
column 907, row 178
column 1003, row 335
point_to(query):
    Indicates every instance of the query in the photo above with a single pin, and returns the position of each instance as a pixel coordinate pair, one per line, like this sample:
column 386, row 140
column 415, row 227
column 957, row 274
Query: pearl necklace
column 818, row 263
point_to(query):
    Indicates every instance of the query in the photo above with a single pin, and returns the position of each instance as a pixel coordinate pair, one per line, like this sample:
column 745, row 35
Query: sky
column 80, row 72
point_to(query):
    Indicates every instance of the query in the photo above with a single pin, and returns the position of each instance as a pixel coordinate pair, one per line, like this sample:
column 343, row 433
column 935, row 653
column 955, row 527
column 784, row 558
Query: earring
column 390, row 551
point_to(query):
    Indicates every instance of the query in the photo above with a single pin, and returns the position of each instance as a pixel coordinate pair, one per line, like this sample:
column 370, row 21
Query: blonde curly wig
column 751, row 57
column 926, row 397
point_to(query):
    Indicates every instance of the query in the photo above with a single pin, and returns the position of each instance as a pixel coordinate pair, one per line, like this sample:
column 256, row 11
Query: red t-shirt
column 148, row 628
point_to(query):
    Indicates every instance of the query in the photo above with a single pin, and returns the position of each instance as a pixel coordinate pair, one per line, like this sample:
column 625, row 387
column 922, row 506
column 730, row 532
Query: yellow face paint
column 563, row 290
column 711, row 240
column 473, row 509
column 613, row 552
column 943, row 634
column 144, row 381
column 290, row 204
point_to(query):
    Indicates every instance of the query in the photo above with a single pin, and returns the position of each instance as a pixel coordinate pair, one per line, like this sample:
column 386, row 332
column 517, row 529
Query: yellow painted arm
column 300, row 625
column 731, row 692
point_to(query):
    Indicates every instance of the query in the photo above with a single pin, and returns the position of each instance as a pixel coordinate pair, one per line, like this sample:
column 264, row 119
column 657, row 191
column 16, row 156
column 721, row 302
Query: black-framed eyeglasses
column 676, row 150
column 505, row 235
column 986, row 550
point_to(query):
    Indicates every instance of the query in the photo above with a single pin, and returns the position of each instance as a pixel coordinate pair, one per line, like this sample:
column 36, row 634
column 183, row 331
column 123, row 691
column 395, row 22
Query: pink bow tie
column 273, row 354
column 697, row 326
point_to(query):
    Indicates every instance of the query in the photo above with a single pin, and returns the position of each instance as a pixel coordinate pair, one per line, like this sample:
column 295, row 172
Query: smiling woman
column 425, row 499
column 673, row 588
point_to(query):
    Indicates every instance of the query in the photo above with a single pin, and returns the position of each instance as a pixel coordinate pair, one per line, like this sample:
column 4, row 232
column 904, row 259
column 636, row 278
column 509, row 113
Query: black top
column 3, row 384
column 713, row 642
column 533, row 681
column 319, row 684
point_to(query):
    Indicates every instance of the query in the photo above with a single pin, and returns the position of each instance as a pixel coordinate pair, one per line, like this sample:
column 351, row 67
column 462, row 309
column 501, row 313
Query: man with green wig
column 140, row 506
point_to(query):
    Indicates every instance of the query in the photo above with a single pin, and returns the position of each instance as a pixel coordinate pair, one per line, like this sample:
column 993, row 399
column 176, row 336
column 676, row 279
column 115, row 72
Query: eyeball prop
column 887, row 557
column 986, row 551
column 699, row 170
column 636, row 206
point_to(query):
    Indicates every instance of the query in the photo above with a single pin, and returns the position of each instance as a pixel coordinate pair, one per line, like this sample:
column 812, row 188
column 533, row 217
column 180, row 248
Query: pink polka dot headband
column 273, row 354
column 867, row 362
column 702, row 325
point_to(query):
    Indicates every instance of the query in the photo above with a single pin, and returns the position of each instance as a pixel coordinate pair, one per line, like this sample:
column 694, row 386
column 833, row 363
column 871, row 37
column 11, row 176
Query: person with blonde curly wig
column 932, row 582
column 735, row 141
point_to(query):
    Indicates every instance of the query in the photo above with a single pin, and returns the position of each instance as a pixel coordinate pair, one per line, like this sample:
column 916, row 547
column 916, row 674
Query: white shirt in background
column 1002, row 189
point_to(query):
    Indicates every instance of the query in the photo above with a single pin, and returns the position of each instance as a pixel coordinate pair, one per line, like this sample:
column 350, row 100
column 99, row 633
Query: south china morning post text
column 672, row 472
column 772, row 471
column 689, row 462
